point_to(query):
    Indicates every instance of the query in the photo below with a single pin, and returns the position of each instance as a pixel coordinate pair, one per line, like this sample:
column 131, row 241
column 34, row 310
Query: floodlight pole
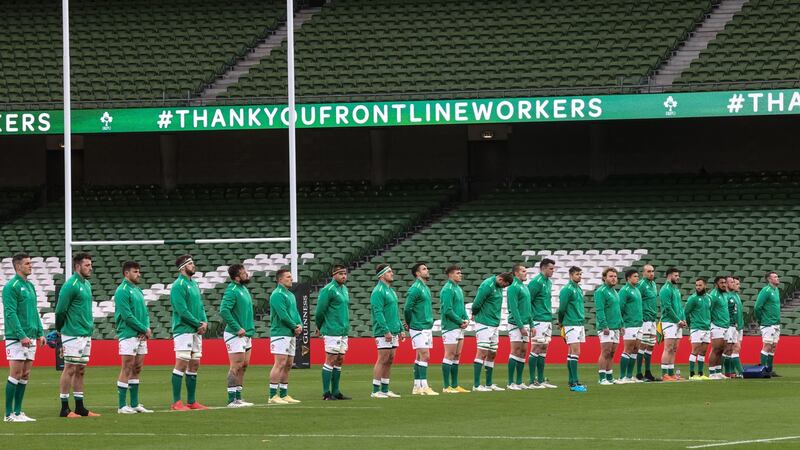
column 67, row 143
column 292, row 139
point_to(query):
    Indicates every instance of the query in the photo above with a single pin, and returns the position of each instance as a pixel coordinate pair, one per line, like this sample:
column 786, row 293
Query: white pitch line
column 257, row 406
column 752, row 441
column 371, row 436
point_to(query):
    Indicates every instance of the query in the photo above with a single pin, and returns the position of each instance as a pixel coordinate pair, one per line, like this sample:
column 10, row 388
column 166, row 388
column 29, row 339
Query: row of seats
column 705, row 225
column 761, row 43
column 338, row 223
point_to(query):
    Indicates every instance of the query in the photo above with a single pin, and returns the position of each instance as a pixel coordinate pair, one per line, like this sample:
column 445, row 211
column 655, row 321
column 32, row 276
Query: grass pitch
column 706, row 414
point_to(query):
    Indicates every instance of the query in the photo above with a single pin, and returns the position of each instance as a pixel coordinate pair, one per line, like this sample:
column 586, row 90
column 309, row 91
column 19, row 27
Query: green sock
column 601, row 374
column 11, row 392
column 191, row 387
column 177, row 381
column 671, row 371
column 476, row 373
column 454, row 375
column 489, row 371
column 336, row 376
column 532, row 363
column 691, row 366
column 770, row 358
column 19, row 395
column 283, row 390
column 122, row 393
column 737, row 364
column 376, row 386
column 238, row 392
column 273, row 390
column 423, row 372
column 726, row 363
column 520, row 369
column 384, row 385
column 326, row 378
column 446, row 369
column 133, row 388
column 231, row 393
column 609, row 375
column 647, row 357
column 631, row 363
column 570, row 373
column 764, row 359
column 540, row 368
column 623, row 364
column 701, row 361
column 416, row 371
column 573, row 364
column 512, row 369
column 639, row 360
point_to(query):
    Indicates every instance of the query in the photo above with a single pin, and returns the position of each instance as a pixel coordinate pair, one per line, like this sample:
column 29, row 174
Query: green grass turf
column 652, row 416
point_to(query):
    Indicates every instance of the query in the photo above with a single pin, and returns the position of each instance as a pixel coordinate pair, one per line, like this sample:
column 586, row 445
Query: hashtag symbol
column 736, row 103
column 164, row 119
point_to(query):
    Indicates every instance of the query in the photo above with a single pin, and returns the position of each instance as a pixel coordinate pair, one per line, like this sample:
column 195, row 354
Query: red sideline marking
column 362, row 351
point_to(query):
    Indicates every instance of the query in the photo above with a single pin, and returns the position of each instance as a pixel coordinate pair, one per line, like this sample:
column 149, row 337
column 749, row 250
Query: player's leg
column 327, row 374
column 125, row 374
column 612, row 350
column 16, row 370
column 602, row 360
column 236, row 360
column 378, row 371
column 22, row 384
column 714, row 360
column 133, row 382
column 387, row 373
column 491, row 355
column 242, row 371
column 275, row 375
column 284, row 383
column 737, row 362
column 450, row 349
column 515, row 358
column 701, row 359
column 337, row 375
column 191, row 373
column 572, row 366
column 183, row 354
column 727, row 351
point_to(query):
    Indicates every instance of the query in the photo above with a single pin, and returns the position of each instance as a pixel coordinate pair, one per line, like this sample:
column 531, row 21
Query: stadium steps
column 698, row 40
column 253, row 57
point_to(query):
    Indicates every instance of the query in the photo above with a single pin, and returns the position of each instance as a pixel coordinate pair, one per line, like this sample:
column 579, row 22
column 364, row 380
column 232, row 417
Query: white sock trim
column 447, row 361
column 422, row 363
column 701, row 358
column 133, row 381
column 488, row 364
column 23, row 381
column 384, row 381
column 177, row 372
column 191, row 374
column 376, row 382
column 327, row 367
column 122, row 385
column 13, row 380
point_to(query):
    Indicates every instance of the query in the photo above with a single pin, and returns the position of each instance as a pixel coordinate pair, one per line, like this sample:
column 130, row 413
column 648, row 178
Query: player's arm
column 178, row 299
column 600, row 310
column 761, row 300
column 480, row 298
column 10, row 304
column 122, row 302
column 513, row 305
column 564, row 298
column 281, row 305
column 623, row 302
column 691, row 304
column 226, row 309
column 666, row 304
column 62, row 305
column 534, row 288
column 322, row 307
column 378, row 318
column 412, row 298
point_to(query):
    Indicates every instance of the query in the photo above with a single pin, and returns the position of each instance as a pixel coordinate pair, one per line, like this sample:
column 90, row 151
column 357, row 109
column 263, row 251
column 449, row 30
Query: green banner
column 400, row 113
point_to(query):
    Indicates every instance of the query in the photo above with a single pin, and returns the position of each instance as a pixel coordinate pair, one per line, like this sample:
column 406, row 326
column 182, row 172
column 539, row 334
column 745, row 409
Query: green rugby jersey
column 283, row 314
column 719, row 309
column 671, row 307
column 571, row 312
column 384, row 310
column 541, row 290
column 332, row 315
column 418, row 309
column 649, row 293
column 739, row 318
column 768, row 306
column 630, row 305
column 20, row 311
column 74, row 307
column 453, row 310
column 518, row 298
column 130, row 311
column 488, row 303
column 236, row 309
column 187, row 306
column 607, row 310
column 698, row 311
column 734, row 307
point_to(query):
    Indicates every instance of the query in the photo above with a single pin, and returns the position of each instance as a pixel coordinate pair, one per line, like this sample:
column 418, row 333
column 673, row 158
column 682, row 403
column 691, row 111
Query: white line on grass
column 371, row 436
column 752, row 441
column 261, row 405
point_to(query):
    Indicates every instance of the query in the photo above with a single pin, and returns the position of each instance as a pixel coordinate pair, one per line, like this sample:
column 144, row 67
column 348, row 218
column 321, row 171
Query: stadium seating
column 705, row 225
column 137, row 49
column 363, row 47
column 760, row 44
column 339, row 222
column 13, row 201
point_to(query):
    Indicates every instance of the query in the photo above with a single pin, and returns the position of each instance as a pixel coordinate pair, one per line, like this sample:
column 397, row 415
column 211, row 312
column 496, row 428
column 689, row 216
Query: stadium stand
column 136, row 49
column 760, row 45
column 340, row 222
column 360, row 47
column 705, row 225
column 13, row 201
